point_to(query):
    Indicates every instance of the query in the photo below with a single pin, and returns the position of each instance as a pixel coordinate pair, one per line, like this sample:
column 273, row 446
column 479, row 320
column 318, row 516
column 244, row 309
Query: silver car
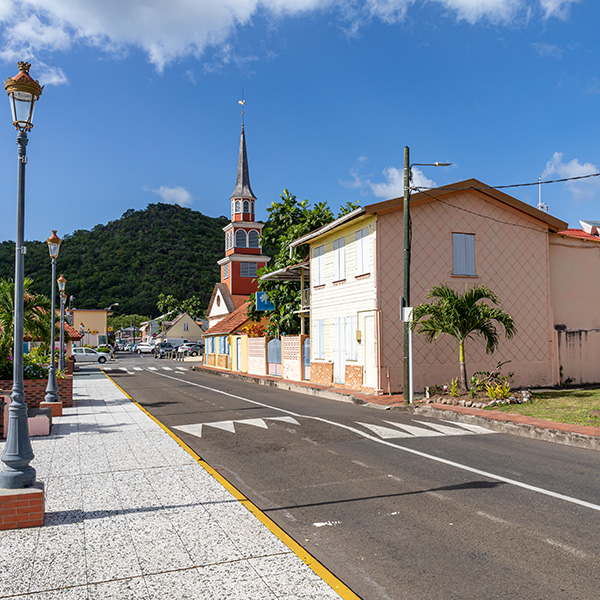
column 89, row 355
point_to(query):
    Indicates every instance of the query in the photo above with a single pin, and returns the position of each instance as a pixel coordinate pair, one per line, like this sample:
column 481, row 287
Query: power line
column 513, row 185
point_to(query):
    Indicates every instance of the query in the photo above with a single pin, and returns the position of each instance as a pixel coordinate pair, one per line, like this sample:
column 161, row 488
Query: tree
column 463, row 316
column 288, row 220
column 36, row 314
column 170, row 307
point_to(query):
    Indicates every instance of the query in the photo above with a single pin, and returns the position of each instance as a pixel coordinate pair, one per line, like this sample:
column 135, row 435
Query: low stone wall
column 35, row 392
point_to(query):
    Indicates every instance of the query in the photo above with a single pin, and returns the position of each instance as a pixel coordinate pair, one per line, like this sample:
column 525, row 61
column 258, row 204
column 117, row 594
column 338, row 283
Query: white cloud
column 556, row 8
column 393, row 184
column 173, row 195
column 170, row 29
column 582, row 189
column 551, row 50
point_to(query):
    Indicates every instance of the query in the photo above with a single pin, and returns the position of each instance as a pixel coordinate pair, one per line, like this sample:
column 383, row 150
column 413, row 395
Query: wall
column 291, row 356
column 354, row 296
column 512, row 259
column 257, row 356
column 575, row 292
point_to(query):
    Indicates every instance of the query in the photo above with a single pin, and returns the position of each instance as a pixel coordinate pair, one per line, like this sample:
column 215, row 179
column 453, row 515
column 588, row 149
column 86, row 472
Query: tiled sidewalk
column 131, row 515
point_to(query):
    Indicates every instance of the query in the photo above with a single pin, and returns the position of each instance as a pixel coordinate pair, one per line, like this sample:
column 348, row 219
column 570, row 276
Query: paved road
column 395, row 505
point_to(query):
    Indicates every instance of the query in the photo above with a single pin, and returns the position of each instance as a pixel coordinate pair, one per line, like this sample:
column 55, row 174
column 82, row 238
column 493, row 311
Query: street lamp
column 62, row 283
column 52, row 388
column 23, row 93
column 407, row 318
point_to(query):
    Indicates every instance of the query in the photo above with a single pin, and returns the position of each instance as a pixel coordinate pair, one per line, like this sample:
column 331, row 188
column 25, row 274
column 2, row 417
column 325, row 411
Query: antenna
column 243, row 103
column 541, row 206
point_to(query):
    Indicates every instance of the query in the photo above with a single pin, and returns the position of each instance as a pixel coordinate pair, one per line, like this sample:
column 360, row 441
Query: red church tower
column 243, row 253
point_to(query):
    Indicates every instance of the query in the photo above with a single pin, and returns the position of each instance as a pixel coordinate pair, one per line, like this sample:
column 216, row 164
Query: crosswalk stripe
column 152, row 369
column 167, row 369
column 107, row 368
column 138, row 369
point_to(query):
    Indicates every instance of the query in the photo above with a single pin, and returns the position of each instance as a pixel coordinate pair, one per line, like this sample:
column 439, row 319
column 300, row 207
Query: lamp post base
column 56, row 407
column 22, row 507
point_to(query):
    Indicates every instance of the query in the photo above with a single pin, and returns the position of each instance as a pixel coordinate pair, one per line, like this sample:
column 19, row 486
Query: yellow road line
column 323, row 572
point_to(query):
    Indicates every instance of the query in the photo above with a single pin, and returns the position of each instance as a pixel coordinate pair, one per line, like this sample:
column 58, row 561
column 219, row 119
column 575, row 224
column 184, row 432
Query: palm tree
column 36, row 313
column 462, row 316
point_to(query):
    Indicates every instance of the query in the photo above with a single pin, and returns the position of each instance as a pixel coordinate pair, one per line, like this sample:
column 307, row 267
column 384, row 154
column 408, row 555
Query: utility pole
column 407, row 250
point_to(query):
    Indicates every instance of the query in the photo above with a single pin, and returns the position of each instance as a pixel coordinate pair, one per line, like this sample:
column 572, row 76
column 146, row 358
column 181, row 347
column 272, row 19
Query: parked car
column 162, row 348
column 89, row 355
column 144, row 348
column 190, row 348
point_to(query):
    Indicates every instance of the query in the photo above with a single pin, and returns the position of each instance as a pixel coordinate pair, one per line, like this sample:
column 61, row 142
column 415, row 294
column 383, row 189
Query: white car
column 144, row 348
column 89, row 355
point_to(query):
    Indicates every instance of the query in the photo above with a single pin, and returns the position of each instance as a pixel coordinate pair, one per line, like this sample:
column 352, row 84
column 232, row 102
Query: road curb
column 547, row 433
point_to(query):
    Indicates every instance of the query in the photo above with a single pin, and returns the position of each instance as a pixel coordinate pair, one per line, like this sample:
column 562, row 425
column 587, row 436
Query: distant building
column 91, row 324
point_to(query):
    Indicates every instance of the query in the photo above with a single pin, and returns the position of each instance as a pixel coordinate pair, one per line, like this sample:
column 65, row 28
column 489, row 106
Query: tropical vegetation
column 163, row 248
column 463, row 316
column 289, row 219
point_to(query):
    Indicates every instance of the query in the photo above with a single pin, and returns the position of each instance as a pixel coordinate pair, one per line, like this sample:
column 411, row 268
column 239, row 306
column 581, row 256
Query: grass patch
column 576, row 407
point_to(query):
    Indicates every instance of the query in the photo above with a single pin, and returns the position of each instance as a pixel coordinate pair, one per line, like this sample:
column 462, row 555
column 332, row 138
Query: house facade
column 182, row 329
column 463, row 235
column 91, row 324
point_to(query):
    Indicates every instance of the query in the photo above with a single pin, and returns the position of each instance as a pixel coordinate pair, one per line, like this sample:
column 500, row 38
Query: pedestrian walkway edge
column 323, row 572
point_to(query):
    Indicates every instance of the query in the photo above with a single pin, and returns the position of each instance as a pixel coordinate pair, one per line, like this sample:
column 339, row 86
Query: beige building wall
column 353, row 296
column 512, row 259
column 91, row 320
column 575, row 289
column 184, row 328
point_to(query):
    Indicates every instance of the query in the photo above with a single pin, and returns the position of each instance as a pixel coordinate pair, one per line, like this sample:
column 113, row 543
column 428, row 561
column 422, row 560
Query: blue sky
column 141, row 102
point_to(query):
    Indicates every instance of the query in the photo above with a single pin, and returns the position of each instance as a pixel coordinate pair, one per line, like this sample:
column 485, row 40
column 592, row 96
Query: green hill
column 164, row 248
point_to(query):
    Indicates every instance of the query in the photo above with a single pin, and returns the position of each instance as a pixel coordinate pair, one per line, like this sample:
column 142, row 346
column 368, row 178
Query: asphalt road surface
column 395, row 505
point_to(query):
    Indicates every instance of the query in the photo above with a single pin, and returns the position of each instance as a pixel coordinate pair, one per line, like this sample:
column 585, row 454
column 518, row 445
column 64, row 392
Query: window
column 248, row 269
column 186, row 326
column 362, row 251
column 351, row 344
column 240, row 238
column 238, row 206
column 246, row 206
column 226, row 271
column 319, row 338
column 317, row 266
column 253, row 239
column 339, row 260
column 463, row 254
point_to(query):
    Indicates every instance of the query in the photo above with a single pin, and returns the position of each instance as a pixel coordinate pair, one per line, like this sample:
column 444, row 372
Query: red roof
column 231, row 322
column 579, row 233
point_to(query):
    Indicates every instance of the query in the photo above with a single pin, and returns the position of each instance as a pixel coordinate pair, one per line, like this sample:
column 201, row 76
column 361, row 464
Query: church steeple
column 243, row 191
column 243, row 252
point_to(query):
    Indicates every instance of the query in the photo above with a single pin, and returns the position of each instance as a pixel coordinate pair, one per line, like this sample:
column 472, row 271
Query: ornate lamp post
column 52, row 388
column 23, row 93
column 62, row 282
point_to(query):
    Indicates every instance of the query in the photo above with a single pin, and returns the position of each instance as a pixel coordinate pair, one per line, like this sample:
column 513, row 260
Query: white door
column 370, row 343
column 339, row 356
column 238, row 354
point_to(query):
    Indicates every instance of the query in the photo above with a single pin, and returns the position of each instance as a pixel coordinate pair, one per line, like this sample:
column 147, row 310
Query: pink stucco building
column 464, row 234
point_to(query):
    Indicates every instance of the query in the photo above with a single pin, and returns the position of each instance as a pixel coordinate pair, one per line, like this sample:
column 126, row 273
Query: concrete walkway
column 130, row 514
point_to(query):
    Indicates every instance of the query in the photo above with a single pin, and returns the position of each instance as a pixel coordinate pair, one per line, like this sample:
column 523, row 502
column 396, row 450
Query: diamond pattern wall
column 511, row 253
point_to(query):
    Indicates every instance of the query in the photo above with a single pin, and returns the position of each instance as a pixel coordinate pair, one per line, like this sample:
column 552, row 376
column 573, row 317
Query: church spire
column 243, row 191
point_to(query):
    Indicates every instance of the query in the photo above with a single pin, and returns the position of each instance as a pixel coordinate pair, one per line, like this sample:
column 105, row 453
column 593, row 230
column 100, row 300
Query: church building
column 243, row 252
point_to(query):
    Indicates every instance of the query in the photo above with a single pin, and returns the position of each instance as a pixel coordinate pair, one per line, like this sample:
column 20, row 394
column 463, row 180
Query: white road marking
column 385, row 432
column 107, row 368
column 167, row 369
column 473, row 428
column 196, row 428
column 152, row 369
column 445, row 429
column 326, row 524
column 491, row 517
column 138, row 369
column 569, row 549
column 439, row 459
column 416, row 431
